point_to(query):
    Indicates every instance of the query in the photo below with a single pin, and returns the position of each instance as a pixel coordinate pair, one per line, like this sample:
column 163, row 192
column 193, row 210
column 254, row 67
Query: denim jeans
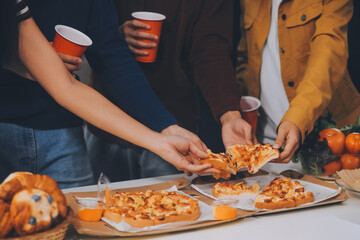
column 121, row 163
column 59, row 153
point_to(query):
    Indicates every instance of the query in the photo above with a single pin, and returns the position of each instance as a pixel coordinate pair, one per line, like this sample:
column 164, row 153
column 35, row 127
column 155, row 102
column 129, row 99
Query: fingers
column 196, row 168
column 197, row 151
column 134, row 26
column 197, row 141
column 138, row 24
column 292, row 144
column 137, row 51
column 286, row 157
column 280, row 139
column 72, row 67
column 134, row 40
column 209, row 171
column 289, row 135
column 72, row 63
column 278, row 143
column 289, row 151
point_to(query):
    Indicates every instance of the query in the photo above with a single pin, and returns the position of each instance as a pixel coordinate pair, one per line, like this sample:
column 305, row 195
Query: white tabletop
column 335, row 221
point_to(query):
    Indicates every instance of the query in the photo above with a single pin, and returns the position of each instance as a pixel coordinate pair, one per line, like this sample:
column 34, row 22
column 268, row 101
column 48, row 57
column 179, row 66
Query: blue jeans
column 59, row 153
column 121, row 163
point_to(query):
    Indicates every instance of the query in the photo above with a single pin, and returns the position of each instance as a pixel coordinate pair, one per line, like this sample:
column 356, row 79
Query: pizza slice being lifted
column 252, row 156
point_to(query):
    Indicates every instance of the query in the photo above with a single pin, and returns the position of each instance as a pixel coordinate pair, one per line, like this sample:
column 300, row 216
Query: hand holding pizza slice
column 253, row 157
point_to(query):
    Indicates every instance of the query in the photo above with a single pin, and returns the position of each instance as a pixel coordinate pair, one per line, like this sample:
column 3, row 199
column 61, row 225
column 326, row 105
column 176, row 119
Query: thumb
column 280, row 139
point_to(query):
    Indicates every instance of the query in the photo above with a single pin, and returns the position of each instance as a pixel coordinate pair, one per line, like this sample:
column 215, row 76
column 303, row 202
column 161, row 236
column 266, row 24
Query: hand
column 132, row 37
column 184, row 155
column 288, row 134
column 71, row 63
column 179, row 131
column 194, row 139
column 236, row 130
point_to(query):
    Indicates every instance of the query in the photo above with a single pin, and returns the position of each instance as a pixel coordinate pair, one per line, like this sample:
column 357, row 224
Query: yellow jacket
column 313, row 54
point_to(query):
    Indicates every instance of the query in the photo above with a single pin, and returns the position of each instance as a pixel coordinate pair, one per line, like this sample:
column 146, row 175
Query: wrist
column 228, row 116
column 169, row 129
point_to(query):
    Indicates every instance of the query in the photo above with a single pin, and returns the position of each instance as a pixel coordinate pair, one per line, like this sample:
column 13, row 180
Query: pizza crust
column 309, row 197
column 288, row 203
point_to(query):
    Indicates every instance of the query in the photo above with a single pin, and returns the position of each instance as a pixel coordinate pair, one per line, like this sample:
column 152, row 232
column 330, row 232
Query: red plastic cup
column 70, row 41
column 249, row 107
column 155, row 21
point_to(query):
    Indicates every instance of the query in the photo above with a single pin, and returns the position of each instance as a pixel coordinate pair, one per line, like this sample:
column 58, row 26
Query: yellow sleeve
column 325, row 68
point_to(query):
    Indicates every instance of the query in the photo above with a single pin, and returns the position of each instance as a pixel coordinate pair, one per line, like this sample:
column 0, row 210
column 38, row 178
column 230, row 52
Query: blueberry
column 32, row 221
column 36, row 197
column 50, row 199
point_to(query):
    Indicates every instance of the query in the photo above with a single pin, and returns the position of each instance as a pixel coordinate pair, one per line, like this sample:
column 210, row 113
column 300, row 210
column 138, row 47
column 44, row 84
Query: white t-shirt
column 272, row 93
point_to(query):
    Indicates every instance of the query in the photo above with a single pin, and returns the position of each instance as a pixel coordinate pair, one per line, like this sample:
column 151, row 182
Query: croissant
column 5, row 223
column 18, row 181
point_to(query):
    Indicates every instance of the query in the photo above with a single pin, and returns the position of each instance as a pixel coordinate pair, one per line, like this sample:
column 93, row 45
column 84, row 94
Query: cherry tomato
column 332, row 168
column 350, row 161
column 352, row 143
column 335, row 139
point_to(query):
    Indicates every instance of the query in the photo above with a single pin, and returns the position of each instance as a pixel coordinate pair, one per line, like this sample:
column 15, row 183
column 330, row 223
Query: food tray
column 101, row 229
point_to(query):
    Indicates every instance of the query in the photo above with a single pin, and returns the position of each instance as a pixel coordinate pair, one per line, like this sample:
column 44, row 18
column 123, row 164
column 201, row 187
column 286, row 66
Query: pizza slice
column 252, row 156
column 221, row 162
column 228, row 190
column 283, row 193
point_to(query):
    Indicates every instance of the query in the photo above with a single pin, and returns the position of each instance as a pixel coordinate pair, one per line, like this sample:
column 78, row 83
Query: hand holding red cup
column 155, row 21
column 70, row 41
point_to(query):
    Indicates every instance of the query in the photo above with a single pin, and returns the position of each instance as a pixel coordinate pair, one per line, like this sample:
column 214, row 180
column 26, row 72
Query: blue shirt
column 26, row 103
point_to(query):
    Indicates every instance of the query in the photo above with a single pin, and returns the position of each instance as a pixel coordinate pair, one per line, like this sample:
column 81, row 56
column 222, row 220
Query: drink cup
column 155, row 21
column 70, row 41
column 249, row 107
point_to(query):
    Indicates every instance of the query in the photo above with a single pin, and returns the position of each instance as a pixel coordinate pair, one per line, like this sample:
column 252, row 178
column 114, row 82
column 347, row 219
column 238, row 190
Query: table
column 335, row 221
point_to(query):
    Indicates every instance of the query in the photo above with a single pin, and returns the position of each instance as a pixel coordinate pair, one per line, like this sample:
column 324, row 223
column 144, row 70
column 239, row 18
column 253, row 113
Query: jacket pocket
column 305, row 15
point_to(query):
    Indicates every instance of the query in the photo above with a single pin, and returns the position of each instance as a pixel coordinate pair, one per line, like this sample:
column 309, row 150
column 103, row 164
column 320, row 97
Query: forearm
column 210, row 57
column 73, row 95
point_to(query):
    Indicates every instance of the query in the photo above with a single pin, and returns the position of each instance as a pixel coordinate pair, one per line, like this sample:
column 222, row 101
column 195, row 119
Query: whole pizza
column 142, row 209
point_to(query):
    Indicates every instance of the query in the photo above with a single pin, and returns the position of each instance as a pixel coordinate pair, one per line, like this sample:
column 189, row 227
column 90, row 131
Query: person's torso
column 274, row 102
column 25, row 102
column 170, row 75
column 296, row 27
